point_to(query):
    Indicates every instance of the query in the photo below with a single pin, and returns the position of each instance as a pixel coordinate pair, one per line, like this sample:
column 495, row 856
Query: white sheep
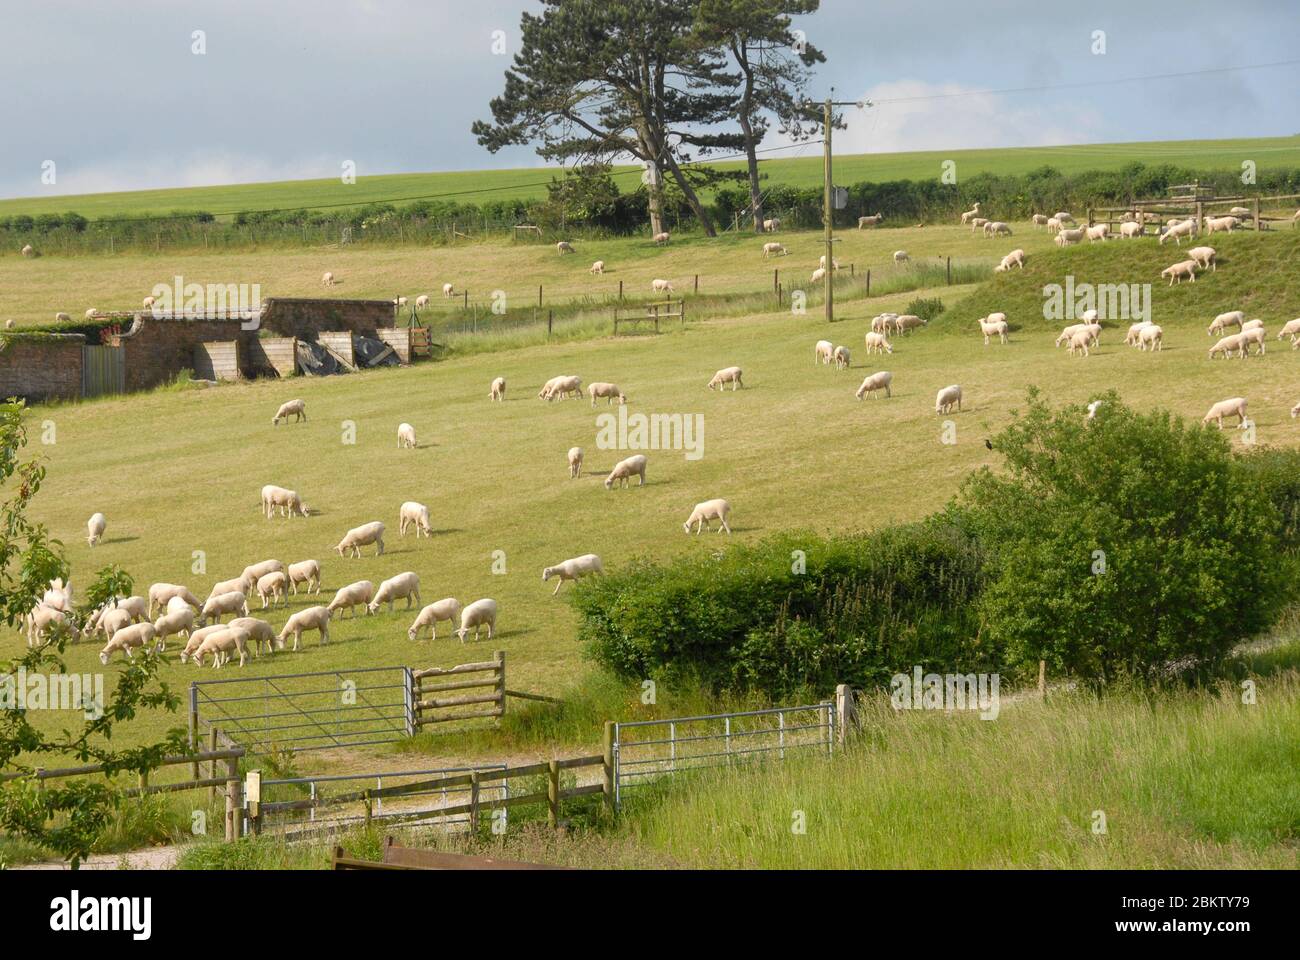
column 1233, row 318
column 1228, row 344
column 148, row 302
column 842, row 359
column 498, row 390
column 1130, row 229
column 996, row 228
column 111, row 622
column 223, row 603
column 477, row 614
column 1039, row 219
column 900, row 256
column 413, row 514
column 946, row 398
column 563, row 247
column 1176, row 230
column 90, row 313
column 1291, row 329
column 28, row 250
column 126, row 640
column 598, row 267
column 291, row 408
column 1251, row 335
column 821, row 262
column 44, row 619
column 62, row 317
column 1204, row 257
column 877, row 343
column 160, row 593
column 1093, row 408
column 448, row 291
column 573, row 569
column 399, row 302
column 1100, row 231
column 326, row 280
column 727, row 375
column 447, row 609
column 1053, row 225
column 273, row 586
column 706, row 512
column 362, row 536
column 773, row 225
column 1232, row 407
column 255, row 571
column 1064, row 217
column 909, row 322
column 95, row 528
column 259, row 631
column 1184, row 269
column 1065, row 238
column 774, row 250
column 978, row 223
column 287, row 501
column 1079, row 342
column 661, row 239
column 877, row 381
column 197, row 637
column 562, row 387
column 883, row 322
column 406, row 436
column 421, row 301
column 625, row 470
column 354, row 595
column 1016, row 258
column 864, row 222
column 994, row 325
column 1151, row 336
column 403, row 585
column 221, row 644
column 609, row 392
column 173, row 622
column 306, row 572
column 823, row 351
column 313, row 618
column 972, row 212
column 1131, row 339
column 818, row 275
column 1226, row 224
column 575, row 462
column 1251, row 325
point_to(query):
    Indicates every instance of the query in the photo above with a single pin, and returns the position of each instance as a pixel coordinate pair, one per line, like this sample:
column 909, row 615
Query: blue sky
column 112, row 93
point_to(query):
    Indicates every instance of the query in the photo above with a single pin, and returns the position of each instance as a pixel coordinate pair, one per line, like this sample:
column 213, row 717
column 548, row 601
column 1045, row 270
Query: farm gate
column 103, row 370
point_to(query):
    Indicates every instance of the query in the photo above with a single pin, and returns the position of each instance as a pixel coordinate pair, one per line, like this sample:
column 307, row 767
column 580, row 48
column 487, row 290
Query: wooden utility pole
column 828, row 201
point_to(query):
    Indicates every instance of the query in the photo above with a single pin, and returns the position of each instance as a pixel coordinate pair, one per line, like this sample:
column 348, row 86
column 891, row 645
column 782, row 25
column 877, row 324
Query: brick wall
column 156, row 350
column 305, row 318
column 44, row 367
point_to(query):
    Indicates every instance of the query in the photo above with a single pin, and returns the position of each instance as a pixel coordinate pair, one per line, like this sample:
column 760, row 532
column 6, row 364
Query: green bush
column 927, row 308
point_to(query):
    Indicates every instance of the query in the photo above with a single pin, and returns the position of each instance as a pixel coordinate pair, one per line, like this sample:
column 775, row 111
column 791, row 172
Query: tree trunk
column 692, row 198
column 751, row 146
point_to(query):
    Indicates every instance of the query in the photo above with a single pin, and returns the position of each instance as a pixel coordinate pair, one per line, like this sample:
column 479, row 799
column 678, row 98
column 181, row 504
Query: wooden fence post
column 553, row 794
column 844, row 710
column 950, row 271
column 1255, row 204
column 539, row 294
column 550, row 321
column 194, row 720
column 697, row 283
column 1042, row 678
column 501, row 682
column 620, row 289
column 776, row 281
column 473, row 802
column 234, row 799
column 609, row 765
column 868, row 281
column 213, row 735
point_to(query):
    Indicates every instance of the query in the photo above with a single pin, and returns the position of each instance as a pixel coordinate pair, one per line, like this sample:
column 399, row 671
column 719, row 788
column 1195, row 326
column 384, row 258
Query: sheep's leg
column 724, row 525
column 557, row 587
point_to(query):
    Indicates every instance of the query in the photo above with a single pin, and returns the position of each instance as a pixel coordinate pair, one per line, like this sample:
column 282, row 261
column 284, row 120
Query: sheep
column 306, row 572
column 877, row 381
column 220, row 644
column 1176, row 230
column 127, row 639
column 773, row 225
column 1226, row 224
column 413, row 514
column 1099, row 231
column 609, row 392
column 272, row 586
column 135, row 609
column 1079, row 342
column 821, row 262
column 95, row 528
column 823, row 351
column 996, row 228
column 774, row 250
column 883, row 322
column 313, row 618
column 727, row 375
column 572, row 569
column 421, row 301
column 1131, row 339
column 326, row 280
column 562, row 387
column 1204, row 257
column 1065, row 238
column 1233, row 318
column 160, row 593
column 447, row 608
column 1291, row 329
column 362, row 536
column 994, row 325
column 28, row 250
column 1016, row 258
column 288, row 502
column 62, row 317
column 395, row 588
column 973, row 212
column 1152, row 336
column 1241, row 212
column 405, row 436
column 597, row 268
column 1053, row 225
column 197, row 637
column 1251, row 325
column 399, row 302
column 1251, row 335
column 1069, row 332
column 575, row 462
column 624, row 470
column 477, row 614
column 547, row 387
column 1093, row 408
column 216, row 607
column 864, row 222
column 842, row 359
column 909, row 322
column 498, row 390
column 1295, row 411
column 563, row 247
column 148, row 302
column 90, row 313
column 111, row 622
column 661, row 239
column 255, row 571
column 448, row 291
column 946, row 398
column 877, row 343
column 1064, row 217
column 179, row 622
column 818, row 275
column 1127, row 230
column 706, row 512
column 43, row 619
column 9, row 324
column 1228, row 344
column 1232, row 407
column 353, row 595
column 259, row 631
column 58, row 595
column 1039, row 220
column 978, row 223
column 900, row 256
column 291, row 408
column 1176, row 272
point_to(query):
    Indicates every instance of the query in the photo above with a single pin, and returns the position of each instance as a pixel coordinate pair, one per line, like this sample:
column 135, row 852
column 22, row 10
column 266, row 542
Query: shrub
column 927, row 308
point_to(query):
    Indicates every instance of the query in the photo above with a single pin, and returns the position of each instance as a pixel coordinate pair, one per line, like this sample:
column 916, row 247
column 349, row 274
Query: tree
column 1122, row 545
column 595, row 80
column 773, row 62
column 66, row 816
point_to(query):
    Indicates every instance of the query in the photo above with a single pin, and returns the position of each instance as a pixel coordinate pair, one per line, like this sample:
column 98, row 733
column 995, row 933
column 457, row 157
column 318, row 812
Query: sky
column 113, row 93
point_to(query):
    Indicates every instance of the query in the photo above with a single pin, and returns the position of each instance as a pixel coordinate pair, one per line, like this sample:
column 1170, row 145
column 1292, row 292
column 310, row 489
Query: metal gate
column 644, row 750
column 103, row 370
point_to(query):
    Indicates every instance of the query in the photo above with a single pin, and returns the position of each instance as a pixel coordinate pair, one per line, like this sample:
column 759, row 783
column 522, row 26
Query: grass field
column 800, row 167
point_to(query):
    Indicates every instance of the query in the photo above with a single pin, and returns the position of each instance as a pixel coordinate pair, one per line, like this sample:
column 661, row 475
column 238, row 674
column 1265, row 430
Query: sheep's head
column 103, row 657
column 546, row 573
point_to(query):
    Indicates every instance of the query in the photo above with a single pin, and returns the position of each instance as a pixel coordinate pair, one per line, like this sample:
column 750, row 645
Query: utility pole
column 828, row 206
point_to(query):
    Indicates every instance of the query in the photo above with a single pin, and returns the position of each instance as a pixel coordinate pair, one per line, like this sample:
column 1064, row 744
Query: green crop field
column 800, row 166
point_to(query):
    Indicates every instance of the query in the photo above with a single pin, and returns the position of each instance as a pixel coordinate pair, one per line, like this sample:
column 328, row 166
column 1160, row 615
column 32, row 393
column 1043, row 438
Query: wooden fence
column 1196, row 207
column 431, row 705
column 651, row 313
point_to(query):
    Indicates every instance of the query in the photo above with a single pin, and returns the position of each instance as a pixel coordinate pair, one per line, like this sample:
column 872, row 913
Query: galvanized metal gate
column 103, row 370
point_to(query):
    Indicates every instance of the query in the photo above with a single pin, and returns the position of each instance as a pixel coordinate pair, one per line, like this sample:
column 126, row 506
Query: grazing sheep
column 28, row 250
column 864, row 222
column 406, row 436
column 609, row 392
column 624, row 470
column 148, row 302
column 90, row 314
column 883, row 322
column 575, row 462
column 288, row 502
column 877, row 343
column 978, row 223
column 561, row 387
column 446, row 609
column 818, row 275
column 179, row 622
column 773, row 225
column 996, row 228
column 1039, row 220
column 1093, row 408
column 573, row 569
column 95, row 528
column 877, row 381
column 362, row 536
column 9, row 324
column 1295, row 411
column 313, row 618
column 1233, row 318
column 259, row 631
column 223, row 603
column 1053, row 225
column 1151, row 336
column 563, row 247
column 1291, row 329
column 821, row 262
column 969, row 214
column 448, row 291
column 395, row 588
column 44, row 619
column 842, row 359
column 1204, row 257
column 1251, row 325
column 1131, row 338
column 1232, row 407
column 1016, row 258
column 498, row 389
column 1228, row 344
column 1251, row 335
column 661, row 286
column 547, row 387
column 255, row 571
column 58, row 595
column 274, row 586
column 160, row 593
column 706, row 512
column 909, row 322
column 399, row 302
column 353, row 595
column 421, row 301
column 413, row 514
column 1226, row 224
column 727, row 375
column 774, row 250
column 1079, row 342
column 1176, row 230
column 1065, row 238
column 326, row 280
column 1064, row 217
column 947, row 398
column 661, row 239
column 305, row 572
column 220, row 645
column 62, row 317
column 126, row 640
column 477, row 614
column 292, row 408
column 823, row 351
column 134, row 608
column 900, row 256
column 1100, row 231
column 994, row 325
column 598, row 267
column 1130, row 229
column 1069, row 332
column 1178, row 271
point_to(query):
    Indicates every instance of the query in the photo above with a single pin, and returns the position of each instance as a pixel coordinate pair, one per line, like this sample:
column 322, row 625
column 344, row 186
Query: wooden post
column 501, row 682
column 1200, row 216
column 1042, row 678
column 844, row 706
column 950, row 271
column 868, row 281
column 697, row 283
column 1255, row 204
column 466, row 299
column 553, row 794
column 194, row 712
column 776, row 281
column 1091, row 222
column 234, row 799
column 550, row 320
column 853, row 270
column 368, row 806
column 473, row 802
column 620, row 289
column 539, row 294
column 212, row 764
column 609, row 766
